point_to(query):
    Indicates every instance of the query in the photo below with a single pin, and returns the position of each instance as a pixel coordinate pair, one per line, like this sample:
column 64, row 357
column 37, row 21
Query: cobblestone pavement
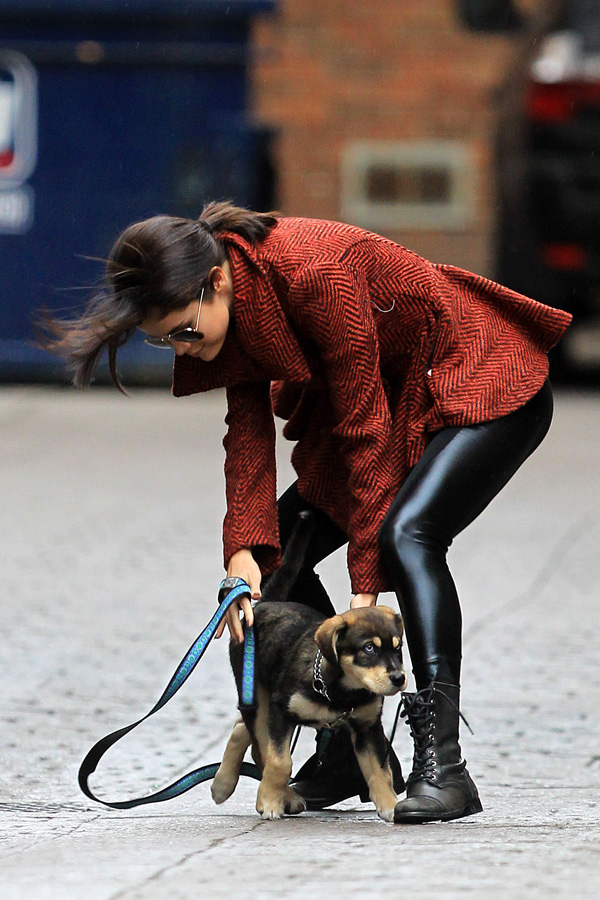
column 111, row 516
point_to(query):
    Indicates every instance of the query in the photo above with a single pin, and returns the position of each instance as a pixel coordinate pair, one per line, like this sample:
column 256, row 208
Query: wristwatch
column 228, row 584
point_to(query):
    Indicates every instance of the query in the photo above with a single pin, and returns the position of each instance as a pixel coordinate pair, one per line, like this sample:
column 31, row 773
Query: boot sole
column 417, row 818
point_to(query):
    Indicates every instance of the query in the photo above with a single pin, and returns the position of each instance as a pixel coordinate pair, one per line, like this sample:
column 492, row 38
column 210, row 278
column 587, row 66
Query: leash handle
column 182, row 673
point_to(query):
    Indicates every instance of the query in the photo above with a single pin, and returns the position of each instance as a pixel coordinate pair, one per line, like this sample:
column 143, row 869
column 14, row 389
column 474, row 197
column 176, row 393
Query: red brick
column 329, row 71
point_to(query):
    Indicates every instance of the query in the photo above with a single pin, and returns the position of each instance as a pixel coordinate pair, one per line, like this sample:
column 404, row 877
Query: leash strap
column 182, row 673
column 247, row 692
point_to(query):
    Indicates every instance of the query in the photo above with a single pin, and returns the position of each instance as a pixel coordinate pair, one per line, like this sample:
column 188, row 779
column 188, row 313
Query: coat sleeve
column 250, row 475
column 331, row 307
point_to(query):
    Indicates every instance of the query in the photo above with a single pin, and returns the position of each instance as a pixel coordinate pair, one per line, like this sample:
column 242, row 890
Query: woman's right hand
column 241, row 565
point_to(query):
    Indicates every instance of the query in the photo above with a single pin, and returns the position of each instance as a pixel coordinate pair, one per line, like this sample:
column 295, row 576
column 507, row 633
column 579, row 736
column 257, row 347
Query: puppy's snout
column 398, row 679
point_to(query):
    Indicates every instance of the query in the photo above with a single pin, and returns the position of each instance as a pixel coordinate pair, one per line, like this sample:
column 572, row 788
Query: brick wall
column 332, row 71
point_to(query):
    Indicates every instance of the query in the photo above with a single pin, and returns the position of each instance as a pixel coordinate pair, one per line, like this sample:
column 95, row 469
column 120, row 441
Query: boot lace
column 419, row 715
column 419, row 712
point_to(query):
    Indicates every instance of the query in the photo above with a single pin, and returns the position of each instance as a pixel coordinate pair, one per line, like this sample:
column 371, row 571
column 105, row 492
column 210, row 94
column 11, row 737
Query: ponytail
column 224, row 216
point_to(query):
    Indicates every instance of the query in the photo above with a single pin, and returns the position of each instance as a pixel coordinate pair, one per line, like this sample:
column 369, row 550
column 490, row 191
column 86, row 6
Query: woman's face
column 212, row 322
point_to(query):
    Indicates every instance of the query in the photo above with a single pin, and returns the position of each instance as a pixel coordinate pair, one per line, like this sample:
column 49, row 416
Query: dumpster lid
column 129, row 10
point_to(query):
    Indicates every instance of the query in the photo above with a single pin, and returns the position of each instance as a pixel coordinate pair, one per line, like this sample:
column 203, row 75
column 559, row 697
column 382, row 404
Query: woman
column 414, row 392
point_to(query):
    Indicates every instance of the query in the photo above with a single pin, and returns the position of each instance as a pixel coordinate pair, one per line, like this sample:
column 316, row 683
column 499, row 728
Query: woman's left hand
column 363, row 600
column 241, row 565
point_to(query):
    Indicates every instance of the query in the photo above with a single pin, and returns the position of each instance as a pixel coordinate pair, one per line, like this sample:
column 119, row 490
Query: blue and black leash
column 230, row 590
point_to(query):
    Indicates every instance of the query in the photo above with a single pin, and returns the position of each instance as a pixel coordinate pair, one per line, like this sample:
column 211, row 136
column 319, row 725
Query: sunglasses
column 186, row 335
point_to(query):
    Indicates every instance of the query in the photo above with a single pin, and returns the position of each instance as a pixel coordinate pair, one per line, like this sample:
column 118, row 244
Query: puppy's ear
column 399, row 624
column 327, row 636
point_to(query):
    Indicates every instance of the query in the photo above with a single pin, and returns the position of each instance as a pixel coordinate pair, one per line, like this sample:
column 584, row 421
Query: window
column 425, row 185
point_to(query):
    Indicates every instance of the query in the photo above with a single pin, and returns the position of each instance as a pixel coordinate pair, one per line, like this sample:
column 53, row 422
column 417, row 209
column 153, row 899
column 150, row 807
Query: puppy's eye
column 369, row 648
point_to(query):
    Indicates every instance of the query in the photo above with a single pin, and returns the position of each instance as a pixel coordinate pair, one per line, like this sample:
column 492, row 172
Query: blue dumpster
column 112, row 111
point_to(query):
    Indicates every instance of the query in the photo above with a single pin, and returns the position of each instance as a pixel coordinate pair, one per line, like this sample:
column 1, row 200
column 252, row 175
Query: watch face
column 229, row 583
column 232, row 581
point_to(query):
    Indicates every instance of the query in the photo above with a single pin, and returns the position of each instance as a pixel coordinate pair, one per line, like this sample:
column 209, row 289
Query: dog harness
column 230, row 590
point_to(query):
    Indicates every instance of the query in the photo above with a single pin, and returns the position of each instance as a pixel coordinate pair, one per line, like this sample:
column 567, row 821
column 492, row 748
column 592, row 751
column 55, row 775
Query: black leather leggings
column 460, row 472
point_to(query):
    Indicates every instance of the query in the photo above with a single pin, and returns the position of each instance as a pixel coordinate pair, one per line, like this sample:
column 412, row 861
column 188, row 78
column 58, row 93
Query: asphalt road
column 111, row 557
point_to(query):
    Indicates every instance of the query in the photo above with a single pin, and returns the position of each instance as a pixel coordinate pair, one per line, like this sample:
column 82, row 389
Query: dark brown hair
column 158, row 264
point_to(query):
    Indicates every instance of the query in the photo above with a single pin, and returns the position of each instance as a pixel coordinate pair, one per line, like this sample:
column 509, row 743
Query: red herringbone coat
column 367, row 349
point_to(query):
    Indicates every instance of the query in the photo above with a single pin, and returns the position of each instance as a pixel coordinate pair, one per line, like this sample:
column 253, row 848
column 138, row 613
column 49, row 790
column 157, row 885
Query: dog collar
column 321, row 688
column 318, row 680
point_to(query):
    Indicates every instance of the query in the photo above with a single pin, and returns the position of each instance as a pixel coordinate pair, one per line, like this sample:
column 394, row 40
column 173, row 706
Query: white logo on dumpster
column 18, row 141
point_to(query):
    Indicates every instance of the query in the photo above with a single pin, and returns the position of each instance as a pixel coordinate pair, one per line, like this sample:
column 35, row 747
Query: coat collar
column 262, row 326
column 261, row 346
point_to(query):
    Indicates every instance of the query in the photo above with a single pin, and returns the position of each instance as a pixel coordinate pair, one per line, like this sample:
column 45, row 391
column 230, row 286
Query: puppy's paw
column 223, row 786
column 270, row 804
column 385, row 801
column 386, row 814
column 270, row 811
column 294, row 803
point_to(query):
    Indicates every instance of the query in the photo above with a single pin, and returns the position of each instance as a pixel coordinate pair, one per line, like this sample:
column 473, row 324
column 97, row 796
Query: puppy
column 318, row 672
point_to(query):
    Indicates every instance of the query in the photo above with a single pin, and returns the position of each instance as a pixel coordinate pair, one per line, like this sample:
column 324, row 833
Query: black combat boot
column 332, row 774
column 439, row 788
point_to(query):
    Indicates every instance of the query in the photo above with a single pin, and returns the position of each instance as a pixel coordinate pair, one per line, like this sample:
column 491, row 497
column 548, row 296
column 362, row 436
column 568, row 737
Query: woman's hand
column 241, row 565
column 363, row 600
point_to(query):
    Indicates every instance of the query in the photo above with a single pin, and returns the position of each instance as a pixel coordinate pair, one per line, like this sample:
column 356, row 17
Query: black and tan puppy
column 318, row 672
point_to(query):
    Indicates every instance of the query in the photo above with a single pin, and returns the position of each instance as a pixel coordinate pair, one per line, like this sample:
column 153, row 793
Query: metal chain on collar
column 321, row 688
column 318, row 681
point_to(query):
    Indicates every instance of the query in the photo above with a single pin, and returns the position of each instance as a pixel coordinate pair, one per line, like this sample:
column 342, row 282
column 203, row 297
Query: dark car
column 549, row 228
